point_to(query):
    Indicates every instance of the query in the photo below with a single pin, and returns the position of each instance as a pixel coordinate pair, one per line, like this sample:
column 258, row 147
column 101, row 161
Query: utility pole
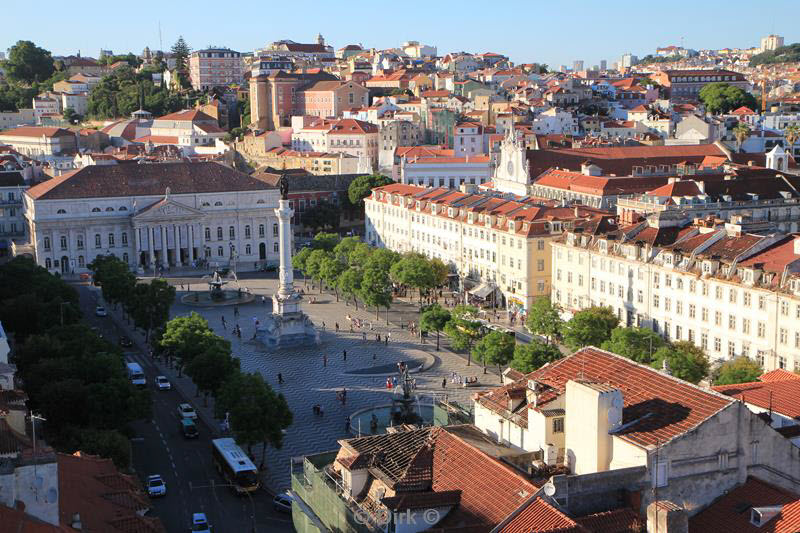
column 34, row 418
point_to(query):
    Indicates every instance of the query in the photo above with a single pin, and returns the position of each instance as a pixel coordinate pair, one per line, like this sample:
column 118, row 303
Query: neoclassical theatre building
column 152, row 215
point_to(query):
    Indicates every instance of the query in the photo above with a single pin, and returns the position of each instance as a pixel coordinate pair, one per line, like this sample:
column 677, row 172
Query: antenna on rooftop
column 160, row 42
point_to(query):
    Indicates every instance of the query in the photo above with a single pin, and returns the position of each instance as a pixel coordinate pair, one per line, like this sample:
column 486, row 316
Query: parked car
column 156, row 486
column 125, row 342
column 186, row 411
column 100, row 311
column 162, row 383
column 189, row 428
column 283, row 503
column 200, row 523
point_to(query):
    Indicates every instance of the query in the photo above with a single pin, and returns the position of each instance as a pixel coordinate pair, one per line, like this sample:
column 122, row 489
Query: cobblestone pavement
column 309, row 379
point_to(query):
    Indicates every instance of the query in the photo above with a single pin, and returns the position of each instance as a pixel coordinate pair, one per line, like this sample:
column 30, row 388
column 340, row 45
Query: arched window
column 63, row 242
column 95, row 210
column 47, row 243
column 122, row 208
column 125, row 257
column 260, row 201
column 109, row 208
column 247, row 231
column 111, row 242
column 248, row 250
column 124, row 238
column 232, row 232
column 81, row 261
column 218, row 204
column 220, row 251
column 261, row 230
column 275, row 247
column 79, row 240
column 47, row 263
column 97, row 243
column 61, row 212
column 219, row 233
column 208, row 252
column 208, row 234
column 205, row 204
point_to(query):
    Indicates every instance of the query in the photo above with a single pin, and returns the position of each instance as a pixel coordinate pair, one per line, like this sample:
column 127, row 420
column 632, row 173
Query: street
column 185, row 464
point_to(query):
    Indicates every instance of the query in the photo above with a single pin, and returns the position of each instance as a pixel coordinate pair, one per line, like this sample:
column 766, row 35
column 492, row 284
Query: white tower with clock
column 511, row 173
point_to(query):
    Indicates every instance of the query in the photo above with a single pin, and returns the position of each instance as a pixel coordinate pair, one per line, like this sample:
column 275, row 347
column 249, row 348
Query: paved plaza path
column 309, row 379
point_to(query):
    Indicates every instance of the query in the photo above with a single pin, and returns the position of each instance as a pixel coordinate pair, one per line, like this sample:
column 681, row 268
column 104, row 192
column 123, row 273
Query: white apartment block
column 493, row 243
column 729, row 292
column 446, row 171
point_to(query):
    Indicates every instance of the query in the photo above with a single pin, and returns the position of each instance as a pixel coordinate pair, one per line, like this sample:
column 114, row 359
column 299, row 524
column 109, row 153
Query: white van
column 136, row 375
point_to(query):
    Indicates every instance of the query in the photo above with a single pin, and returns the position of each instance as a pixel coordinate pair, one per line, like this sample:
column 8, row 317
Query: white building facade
column 152, row 216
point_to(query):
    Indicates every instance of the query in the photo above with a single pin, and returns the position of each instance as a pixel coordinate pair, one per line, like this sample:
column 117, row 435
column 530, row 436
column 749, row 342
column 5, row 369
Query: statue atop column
column 283, row 183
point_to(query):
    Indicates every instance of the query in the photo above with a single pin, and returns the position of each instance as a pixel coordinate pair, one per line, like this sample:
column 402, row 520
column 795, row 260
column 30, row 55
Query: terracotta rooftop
column 195, row 115
column 617, row 521
column 782, row 396
column 145, row 180
column 778, row 374
column 657, row 408
column 732, row 511
column 17, row 521
column 541, row 517
column 37, row 131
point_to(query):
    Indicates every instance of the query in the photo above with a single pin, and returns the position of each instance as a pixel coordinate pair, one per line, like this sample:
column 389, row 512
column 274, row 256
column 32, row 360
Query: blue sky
column 527, row 31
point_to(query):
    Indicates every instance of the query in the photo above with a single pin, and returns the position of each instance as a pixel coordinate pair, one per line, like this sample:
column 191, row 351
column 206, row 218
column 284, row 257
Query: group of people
column 458, row 379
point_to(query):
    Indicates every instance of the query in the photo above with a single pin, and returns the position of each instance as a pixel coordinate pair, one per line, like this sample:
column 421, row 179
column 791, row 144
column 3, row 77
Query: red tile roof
column 732, row 511
column 778, row 374
column 744, row 110
column 194, row 115
column 351, row 126
column 157, row 139
column 541, row 517
column 657, row 407
column 616, row 521
column 782, row 396
column 16, row 521
column 677, row 188
column 38, row 131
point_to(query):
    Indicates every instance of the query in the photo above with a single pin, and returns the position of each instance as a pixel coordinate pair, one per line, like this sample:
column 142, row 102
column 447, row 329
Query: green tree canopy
column 329, row 270
column 684, row 360
column 440, row 272
column 360, row 254
column 382, row 259
column 186, row 336
column 28, row 63
column 116, row 280
column 544, row 319
column 362, row 186
column 376, row 288
column 211, row 366
column 149, row 305
column 299, row 260
column 413, row 270
column 534, row 355
column 722, row 97
column 314, row 263
column 464, row 328
column 180, row 52
column 257, row 414
column 590, row 326
column 434, row 318
column 344, row 248
column 783, row 54
column 740, row 369
column 639, row 344
column 349, row 283
column 119, row 93
column 324, row 216
column 495, row 348
column 325, row 241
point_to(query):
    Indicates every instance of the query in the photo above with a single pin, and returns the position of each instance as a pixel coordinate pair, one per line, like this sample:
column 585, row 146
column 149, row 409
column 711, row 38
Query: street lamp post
column 61, row 311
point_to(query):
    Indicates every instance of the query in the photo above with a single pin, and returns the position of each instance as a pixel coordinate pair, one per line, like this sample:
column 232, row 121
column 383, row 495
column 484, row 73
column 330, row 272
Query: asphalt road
column 185, row 465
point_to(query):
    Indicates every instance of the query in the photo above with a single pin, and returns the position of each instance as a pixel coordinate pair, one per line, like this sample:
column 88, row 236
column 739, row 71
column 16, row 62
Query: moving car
column 186, row 411
column 100, row 311
column 156, row 486
column 162, row 383
column 200, row 523
column 283, row 503
column 125, row 342
column 189, row 428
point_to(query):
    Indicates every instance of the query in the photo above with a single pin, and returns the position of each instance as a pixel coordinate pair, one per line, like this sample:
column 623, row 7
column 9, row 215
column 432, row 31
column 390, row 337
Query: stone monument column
column 284, row 214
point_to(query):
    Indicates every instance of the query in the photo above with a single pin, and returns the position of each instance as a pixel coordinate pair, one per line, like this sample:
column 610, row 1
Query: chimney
column 666, row 517
column 594, row 412
column 797, row 245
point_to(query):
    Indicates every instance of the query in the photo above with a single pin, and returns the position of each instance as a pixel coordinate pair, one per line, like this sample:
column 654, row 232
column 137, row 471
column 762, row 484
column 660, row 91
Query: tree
column 314, row 264
column 376, row 288
column 186, row 336
column 440, row 272
column 534, row 355
column 299, row 260
column 740, row 369
column 107, row 443
column 544, row 319
column 496, row 348
column 359, row 255
column 791, row 133
column 325, row 241
column 27, row 63
column 684, row 360
column 70, row 115
column 257, row 414
column 382, row 259
column 639, row 344
column 211, row 367
column 329, row 271
column 349, row 283
column 722, row 97
column 115, row 278
column 590, row 326
column 362, row 186
column 120, row 93
column 434, row 318
column 180, row 52
column 464, row 329
column 150, row 303
column 324, row 215
column 344, row 248
column 413, row 270
column 742, row 132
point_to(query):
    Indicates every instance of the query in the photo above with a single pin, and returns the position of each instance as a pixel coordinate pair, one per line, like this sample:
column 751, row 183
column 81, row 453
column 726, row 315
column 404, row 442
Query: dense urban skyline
column 532, row 34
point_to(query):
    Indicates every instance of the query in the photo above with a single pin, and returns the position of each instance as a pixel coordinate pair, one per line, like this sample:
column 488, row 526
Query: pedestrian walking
column 224, row 325
column 345, row 355
column 364, row 336
column 323, row 326
column 373, row 359
column 386, row 338
column 347, row 424
column 280, row 378
column 444, row 383
column 414, row 384
column 236, row 310
column 337, row 327
column 324, row 360
column 263, row 300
